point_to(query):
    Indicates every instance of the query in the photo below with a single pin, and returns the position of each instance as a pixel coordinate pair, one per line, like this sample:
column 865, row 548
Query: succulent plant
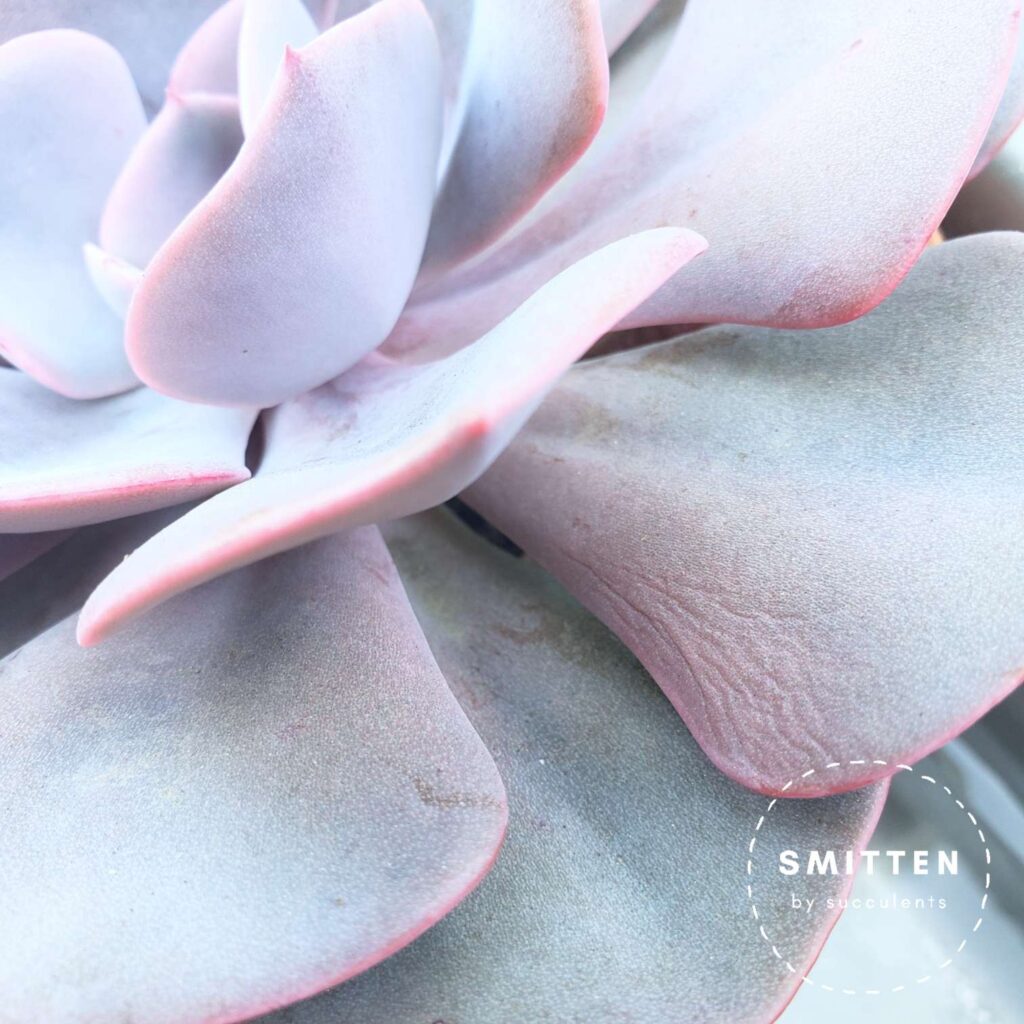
column 646, row 289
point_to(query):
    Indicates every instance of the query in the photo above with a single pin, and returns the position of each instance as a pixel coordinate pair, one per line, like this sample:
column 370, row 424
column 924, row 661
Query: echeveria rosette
column 392, row 227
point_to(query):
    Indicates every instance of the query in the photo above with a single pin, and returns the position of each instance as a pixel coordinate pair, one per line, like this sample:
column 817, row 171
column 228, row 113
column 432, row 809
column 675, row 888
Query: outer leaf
column 535, row 91
column 183, row 154
column 67, row 463
column 386, row 439
column 146, row 32
column 69, row 114
column 620, row 893
column 749, row 134
column 298, row 262
column 812, row 539
column 240, row 823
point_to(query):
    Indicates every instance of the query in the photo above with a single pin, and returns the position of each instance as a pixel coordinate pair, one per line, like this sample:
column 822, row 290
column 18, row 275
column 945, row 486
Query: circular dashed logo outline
column 804, row 979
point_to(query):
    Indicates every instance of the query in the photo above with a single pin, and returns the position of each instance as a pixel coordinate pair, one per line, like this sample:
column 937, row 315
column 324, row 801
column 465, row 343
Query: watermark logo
column 796, row 890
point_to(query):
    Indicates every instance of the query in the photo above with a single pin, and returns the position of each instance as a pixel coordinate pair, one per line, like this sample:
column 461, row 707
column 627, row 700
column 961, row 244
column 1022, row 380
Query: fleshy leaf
column 66, row 463
column 748, row 134
column 269, row 28
column 386, row 439
column 536, row 88
column 265, row 790
column 994, row 200
column 19, row 549
column 183, row 154
column 69, row 115
column 113, row 278
column 147, row 33
column 620, row 891
column 1008, row 114
column 297, row 263
column 208, row 62
column 810, row 539
column 620, row 18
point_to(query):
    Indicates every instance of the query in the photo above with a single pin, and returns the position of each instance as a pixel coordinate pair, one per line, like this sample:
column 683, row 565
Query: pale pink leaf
column 811, row 539
column 386, row 439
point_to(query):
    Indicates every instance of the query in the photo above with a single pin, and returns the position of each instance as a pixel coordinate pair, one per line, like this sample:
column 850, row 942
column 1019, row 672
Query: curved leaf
column 113, row 278
column 147, row 33
column 620, row 18
column 265, row 790
column 69, row 115
column 184, row 153
column 326, row 208
column 810, row 539
column 387, row 439
column 748, row 134
column 65, row 463
column 208, row 62
column 535, row 90
column 269, row 27
column 620, row 894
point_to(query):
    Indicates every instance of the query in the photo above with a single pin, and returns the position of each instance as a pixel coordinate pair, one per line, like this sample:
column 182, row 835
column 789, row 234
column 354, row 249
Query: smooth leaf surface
column 620, row 17
column 387, row 439
column 113, row 278
column 69, row 115
column 265, row 790
column 748, row 134
column 1008, row 114
column 810, row 539
column 298, row 262
column 208, row 62
column 184, row 153
column 147, row 33
column 66, row 463
column 269, row 27
column 620, row 891
column 535, row 90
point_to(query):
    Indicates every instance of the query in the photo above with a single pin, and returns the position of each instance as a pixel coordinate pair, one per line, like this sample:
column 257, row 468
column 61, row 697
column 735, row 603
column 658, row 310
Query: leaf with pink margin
column 65, row 463
column 386, row 439
column 263, row 791
column 620, row 18
column 19, row 549
column 326, row 208
column 147, row 33
column 620, row 893
column 810, row 539
column 994, row 200
column 182, row 155
column 69, row 115
column 748, row 134
column 269, row 28
column 545, row 69
column 113, row 278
